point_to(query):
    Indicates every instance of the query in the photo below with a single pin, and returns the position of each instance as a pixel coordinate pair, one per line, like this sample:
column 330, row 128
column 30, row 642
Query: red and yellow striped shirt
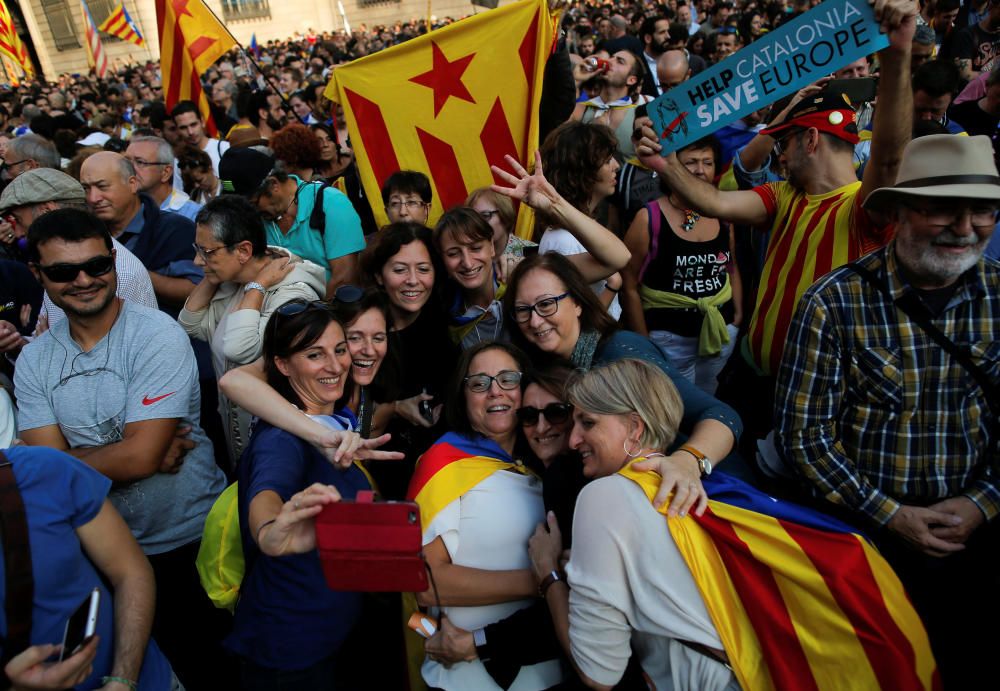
column 810, row 236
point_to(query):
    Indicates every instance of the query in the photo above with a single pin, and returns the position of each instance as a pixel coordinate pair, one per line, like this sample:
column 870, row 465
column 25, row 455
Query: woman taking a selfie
column 288, row 624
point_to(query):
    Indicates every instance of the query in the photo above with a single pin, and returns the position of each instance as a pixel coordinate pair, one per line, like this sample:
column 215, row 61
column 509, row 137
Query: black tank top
column 693, row 269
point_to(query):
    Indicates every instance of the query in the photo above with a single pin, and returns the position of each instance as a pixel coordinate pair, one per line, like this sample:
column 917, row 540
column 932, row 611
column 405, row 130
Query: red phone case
column 369, row 546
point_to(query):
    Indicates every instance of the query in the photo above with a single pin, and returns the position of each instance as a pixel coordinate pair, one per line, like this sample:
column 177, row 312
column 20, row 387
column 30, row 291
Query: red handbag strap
column 20, row 585
column 653, row 208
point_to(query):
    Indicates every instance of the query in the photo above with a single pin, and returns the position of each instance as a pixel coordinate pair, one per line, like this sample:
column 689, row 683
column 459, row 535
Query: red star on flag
column 445, row 78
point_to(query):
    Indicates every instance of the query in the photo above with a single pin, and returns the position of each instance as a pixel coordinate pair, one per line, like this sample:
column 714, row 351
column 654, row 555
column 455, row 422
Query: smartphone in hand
column 81, row 626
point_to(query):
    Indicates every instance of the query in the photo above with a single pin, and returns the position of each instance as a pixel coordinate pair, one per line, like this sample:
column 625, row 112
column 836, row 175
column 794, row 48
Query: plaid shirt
column 872, row 412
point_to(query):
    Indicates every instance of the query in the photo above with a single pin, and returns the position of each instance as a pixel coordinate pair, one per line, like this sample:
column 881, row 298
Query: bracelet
column 547, row 582
column 262, row 526
column 121, row 680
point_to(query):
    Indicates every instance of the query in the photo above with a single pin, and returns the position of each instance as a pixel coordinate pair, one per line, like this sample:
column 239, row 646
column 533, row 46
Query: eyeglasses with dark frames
column 545, row 307
column 67, row 273
column 507, row 380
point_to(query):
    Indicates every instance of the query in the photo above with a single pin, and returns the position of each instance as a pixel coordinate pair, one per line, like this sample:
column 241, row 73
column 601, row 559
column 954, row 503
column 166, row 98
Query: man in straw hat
column 898, row 427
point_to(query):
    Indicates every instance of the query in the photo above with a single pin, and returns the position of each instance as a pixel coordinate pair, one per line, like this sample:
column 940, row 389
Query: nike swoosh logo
column 146, row 400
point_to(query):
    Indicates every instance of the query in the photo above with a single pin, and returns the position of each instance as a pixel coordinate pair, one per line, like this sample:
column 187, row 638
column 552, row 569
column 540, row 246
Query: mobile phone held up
column 81, row 625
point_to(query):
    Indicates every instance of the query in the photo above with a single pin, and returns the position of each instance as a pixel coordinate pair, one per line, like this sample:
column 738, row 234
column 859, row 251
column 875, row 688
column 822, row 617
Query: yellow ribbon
column 714, row 333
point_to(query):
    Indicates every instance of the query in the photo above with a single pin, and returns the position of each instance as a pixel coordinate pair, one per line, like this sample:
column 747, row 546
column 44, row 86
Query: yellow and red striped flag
column 799, row 599
column 191, row 39
column 449, row 103
column 120, row 24
column 11, row 44
column 95, row 48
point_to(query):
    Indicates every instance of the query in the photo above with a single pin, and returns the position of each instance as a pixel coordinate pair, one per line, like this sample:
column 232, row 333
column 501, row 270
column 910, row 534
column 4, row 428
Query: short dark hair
column 371, row 298
column 648, row 27
column 390, row 240
column 257, row 102
column 572, row 155
column 185, row 107
column 407, row 182
column 464, row 224
column 232, row 219
column 455, row 411
column 593, row 315
column 937, row 78
column 286, row 335
column 70, row 225
column 156, row 112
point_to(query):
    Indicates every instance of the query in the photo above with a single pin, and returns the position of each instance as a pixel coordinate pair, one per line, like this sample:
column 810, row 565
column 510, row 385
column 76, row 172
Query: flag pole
column 243, row 50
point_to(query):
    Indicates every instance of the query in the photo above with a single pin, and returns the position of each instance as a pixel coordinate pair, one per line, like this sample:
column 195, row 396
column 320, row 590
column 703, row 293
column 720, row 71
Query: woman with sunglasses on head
column 559, row 319
column 244, row 283
column 682, row 287
column 498, row 210
column 477, row 502
column 288, row 625
column 200, row 181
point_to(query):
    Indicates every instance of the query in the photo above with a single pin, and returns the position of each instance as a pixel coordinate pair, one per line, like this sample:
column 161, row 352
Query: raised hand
column 530, row 188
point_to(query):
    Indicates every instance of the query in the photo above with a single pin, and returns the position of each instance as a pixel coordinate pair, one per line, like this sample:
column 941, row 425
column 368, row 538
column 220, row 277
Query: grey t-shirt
column 144, row 369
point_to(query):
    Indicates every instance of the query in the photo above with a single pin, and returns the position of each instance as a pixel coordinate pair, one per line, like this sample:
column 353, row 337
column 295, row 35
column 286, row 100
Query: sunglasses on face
column 67, row 273
column 554, row 413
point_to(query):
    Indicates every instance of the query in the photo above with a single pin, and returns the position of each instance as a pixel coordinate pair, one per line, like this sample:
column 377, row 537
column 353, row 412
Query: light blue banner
column 821, row 41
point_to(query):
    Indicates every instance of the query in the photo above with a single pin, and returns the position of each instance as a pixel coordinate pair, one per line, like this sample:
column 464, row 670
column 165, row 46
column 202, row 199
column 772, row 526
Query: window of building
column 245, row 9
column 61, row 23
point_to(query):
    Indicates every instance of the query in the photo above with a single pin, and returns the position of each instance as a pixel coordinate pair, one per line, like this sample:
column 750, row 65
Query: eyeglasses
column 207, row 253
column 143, row 163
column 67, row 273
column 554, row 413
column 983, row 216
column 545, row 307
column 506, row 380
column 267, row 216
column 348, row 294
column 780, row 144
column 489, row 214
column 410, row 204
column 16, row 163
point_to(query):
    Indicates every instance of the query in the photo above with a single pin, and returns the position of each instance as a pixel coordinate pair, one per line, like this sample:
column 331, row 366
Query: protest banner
column 821, row 41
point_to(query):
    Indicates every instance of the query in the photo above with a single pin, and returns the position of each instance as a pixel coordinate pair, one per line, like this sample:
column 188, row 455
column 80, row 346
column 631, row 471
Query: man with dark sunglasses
column 42, row 190
column 110, row 385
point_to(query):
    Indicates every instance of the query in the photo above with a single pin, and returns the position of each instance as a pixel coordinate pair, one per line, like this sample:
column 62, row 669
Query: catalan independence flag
column 800, row 600
column 191, row 39
column 120, row 24
column 11, row 45
column 449, row 103
column 450, row 468
column 96, row 56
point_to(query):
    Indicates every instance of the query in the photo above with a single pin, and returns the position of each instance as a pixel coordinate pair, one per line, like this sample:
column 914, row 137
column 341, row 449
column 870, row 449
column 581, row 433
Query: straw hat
column 942, row 165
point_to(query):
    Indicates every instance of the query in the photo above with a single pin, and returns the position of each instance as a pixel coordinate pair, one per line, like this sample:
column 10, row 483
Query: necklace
column 690, row 216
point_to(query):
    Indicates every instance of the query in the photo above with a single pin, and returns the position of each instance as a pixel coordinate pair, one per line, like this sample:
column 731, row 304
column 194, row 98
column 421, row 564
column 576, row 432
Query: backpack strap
column 654, row 236
column 317, row 219
column 19, row 597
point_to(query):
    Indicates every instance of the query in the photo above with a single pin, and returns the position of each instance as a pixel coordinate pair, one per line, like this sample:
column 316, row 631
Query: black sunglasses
column 67, row 273
column 555, row 414
column 348, row 294
column 290, row 309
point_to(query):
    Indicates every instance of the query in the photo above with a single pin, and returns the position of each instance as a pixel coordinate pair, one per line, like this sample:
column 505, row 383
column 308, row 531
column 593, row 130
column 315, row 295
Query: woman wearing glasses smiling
column 477, row 503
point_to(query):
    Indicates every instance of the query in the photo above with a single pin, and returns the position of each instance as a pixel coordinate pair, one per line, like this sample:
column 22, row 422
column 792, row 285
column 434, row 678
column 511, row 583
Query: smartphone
column 81, row 625
column 427, row 408
column 857, row 90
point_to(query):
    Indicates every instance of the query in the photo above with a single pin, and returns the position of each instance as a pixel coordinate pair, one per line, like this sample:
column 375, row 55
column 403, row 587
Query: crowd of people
column 803, row 307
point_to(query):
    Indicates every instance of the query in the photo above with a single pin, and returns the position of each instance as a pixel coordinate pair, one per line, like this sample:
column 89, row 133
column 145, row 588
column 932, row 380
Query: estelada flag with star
column 449, row 103
column 191, row 39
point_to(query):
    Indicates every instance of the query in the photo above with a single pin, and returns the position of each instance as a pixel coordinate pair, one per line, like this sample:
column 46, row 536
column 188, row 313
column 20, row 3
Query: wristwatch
column 553, row 577
column 253, row 285
column 704, row 462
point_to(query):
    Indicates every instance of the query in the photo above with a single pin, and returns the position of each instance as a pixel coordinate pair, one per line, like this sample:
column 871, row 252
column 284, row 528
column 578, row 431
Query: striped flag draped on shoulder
column 191, row 39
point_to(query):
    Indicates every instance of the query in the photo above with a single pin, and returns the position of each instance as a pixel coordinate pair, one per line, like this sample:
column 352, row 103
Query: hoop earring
column 629, row 453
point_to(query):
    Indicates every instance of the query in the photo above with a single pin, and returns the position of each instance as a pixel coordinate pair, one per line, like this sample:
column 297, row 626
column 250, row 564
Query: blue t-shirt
column 287, row 618
column 342, row 234
column 60, row 494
